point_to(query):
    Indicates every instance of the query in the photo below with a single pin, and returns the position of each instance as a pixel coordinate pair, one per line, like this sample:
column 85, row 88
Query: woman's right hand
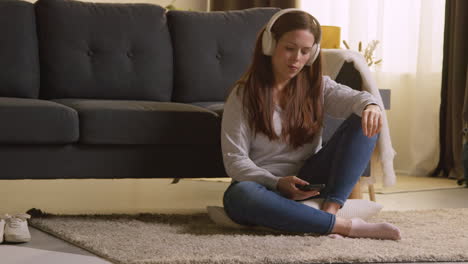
column 287, row 187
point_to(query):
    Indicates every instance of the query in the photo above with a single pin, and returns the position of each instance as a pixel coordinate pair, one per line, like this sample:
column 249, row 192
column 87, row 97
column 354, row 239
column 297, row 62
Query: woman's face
column 292, row 52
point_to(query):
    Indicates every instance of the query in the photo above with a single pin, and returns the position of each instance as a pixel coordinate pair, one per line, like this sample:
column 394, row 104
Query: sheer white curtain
column 411, row 46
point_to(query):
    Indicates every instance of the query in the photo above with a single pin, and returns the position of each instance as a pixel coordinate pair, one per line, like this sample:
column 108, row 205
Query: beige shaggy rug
column 439, row 235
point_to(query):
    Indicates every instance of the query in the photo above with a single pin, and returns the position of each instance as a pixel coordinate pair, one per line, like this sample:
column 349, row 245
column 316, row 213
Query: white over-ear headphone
column 269, row 42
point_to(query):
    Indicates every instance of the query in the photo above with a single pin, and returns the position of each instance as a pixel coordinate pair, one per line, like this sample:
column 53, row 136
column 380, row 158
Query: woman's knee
column 242, row 190
column 355, row 122
column 238, row 200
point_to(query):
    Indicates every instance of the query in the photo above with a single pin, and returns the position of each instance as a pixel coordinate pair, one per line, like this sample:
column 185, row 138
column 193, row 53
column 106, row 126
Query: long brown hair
column 303, row 114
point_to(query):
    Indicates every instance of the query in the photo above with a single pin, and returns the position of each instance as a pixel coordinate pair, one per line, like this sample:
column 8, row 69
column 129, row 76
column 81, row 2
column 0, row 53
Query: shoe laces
column 14, row 221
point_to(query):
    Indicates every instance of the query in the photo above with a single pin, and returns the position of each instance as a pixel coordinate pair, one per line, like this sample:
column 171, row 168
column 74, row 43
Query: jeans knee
column 246, row 186
column 239, row 198
column 355, row 122
column 241, row 190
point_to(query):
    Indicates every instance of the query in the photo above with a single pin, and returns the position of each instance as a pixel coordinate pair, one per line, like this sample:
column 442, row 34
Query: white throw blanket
column 333, row 60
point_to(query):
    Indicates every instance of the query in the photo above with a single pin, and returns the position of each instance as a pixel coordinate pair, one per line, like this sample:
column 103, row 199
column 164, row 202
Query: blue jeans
column 339, row 164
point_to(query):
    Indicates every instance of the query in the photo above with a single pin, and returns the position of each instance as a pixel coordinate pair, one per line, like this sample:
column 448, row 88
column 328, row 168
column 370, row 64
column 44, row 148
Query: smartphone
column 311, row 187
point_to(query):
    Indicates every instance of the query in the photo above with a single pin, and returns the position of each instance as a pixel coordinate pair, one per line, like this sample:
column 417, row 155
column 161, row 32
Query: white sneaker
column 2, row 228
column 16, row 228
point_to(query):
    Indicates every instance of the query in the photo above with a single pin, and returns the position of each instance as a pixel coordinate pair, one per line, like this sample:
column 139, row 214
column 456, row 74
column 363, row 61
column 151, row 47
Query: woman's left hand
column 371, row 120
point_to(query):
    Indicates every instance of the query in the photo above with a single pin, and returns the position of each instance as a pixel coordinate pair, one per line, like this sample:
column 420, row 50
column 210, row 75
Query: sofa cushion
column 104, row 51
column 212, row 50
column 217, row 107
column 19, row 58
column 144, row 122
column 33, row 121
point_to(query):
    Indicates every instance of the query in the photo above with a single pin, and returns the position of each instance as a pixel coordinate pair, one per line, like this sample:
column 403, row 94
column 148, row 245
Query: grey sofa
column 98, row 90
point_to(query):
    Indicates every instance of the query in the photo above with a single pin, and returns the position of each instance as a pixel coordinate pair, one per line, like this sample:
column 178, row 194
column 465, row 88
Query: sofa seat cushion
column 144, row 122
column 217, row 107
column 33, row 121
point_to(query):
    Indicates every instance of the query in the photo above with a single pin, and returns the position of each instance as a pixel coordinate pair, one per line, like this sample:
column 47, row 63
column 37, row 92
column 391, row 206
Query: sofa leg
column 372, row 193
column 175, row 180
column 357, row 192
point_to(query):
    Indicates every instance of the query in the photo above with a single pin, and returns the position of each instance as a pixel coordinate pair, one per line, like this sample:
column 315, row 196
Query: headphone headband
column 269, row 43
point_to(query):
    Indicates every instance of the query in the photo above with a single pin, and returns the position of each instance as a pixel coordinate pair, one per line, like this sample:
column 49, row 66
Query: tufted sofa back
column 55, row 49
column 212, row 50
column 19, row 59
column 104, row 51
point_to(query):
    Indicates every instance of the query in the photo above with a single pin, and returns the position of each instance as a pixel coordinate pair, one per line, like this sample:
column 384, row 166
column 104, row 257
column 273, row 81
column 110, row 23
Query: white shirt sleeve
column 236, row 138
column 340, row 101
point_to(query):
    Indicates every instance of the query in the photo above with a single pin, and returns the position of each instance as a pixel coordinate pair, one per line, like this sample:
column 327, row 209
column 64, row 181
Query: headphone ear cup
column 267, row 43
column 314, row 55
column 272, row 46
